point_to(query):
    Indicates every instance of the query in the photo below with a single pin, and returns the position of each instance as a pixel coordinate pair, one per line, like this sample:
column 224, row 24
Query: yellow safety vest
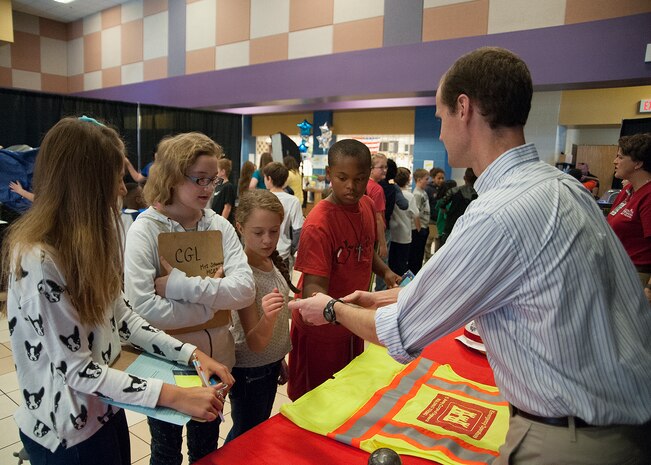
column 422, row 409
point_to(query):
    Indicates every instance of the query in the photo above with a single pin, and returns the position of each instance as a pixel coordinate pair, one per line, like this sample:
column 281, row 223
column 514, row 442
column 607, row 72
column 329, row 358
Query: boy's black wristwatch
column 329, row 311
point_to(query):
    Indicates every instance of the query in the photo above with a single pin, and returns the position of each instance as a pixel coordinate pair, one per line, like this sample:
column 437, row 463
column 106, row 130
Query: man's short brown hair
column 497, row 80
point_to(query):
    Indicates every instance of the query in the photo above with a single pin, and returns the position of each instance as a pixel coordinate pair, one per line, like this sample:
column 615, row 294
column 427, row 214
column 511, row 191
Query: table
column 279, row 441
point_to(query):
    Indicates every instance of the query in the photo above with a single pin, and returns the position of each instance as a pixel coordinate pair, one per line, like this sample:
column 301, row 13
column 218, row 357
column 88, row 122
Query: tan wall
column 6, row 23
column 400, row 121
column 265, row 125
column 602, row 106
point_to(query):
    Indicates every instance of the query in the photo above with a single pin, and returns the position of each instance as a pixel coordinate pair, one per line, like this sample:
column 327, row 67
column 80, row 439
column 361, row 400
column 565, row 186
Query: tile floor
column 10, row 398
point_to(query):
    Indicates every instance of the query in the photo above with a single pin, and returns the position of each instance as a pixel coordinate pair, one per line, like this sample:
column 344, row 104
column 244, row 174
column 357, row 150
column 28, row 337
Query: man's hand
column 311, row 308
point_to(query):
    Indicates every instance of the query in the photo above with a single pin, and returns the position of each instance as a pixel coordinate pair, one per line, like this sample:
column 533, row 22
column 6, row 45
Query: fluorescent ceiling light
column 64, row 1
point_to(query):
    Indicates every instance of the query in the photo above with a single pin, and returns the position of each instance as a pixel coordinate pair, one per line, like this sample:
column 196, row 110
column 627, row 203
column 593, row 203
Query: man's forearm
column 359, row 321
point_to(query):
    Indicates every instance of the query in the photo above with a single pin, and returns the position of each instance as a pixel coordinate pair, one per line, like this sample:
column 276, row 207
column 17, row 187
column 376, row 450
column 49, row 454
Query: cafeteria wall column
column 176, row 38
column 248, row 145
column 427, row 146
column 318, row 118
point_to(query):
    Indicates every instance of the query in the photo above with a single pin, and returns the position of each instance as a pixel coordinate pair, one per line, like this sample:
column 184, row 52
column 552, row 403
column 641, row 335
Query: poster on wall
column 428, row 164
column 319, row 162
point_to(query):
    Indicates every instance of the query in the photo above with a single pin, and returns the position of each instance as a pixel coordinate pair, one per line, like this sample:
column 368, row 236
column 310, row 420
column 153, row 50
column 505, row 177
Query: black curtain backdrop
column 157, row 122
column 635, row 126
column 26, row 116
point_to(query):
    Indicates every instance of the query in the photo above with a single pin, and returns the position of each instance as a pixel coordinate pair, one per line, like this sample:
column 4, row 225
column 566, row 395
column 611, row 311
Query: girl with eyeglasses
column 67, row 315
column 180, row 185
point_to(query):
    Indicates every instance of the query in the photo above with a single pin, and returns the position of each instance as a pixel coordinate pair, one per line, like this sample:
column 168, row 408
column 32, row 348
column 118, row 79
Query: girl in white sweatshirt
column 180, row 184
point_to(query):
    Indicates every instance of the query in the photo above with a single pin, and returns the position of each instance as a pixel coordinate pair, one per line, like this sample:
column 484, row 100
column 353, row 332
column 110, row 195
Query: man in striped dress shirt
column 556, row 299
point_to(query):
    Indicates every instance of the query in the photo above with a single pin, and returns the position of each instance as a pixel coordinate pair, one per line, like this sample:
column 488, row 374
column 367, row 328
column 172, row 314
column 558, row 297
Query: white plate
column 478, row 346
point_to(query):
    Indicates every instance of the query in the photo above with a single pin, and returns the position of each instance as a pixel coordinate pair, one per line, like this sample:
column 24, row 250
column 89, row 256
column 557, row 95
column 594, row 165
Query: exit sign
column 645, row 106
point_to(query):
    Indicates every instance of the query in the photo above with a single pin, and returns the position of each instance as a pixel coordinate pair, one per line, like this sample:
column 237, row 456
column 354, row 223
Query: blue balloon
column 306, row 127
column 302, row 148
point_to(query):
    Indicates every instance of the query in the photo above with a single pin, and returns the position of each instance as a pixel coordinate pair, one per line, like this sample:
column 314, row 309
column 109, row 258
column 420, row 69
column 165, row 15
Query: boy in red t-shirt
column 336, row 256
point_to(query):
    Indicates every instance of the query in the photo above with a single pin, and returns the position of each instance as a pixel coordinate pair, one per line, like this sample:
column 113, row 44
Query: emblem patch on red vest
column 458, row 416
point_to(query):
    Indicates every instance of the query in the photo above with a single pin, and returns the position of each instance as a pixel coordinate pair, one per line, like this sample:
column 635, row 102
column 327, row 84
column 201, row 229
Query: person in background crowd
column 17, row 188
column 275, row 176
column 441, row 215
column 437, row 178
column 456, row 200
column 374, row 191
column 178, row 191
column 401, row 226
column 420, row 229
column 294, row 179
column 139, row 177
column 223, row 200
column 630, row 216
column 589, row 180
column 248, row 168
column 257, row 180
column 393, row 197
column 573, row 361
column 67, row 314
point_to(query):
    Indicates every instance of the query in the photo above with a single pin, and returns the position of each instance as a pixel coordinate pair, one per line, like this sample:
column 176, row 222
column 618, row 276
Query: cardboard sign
column 196, row 253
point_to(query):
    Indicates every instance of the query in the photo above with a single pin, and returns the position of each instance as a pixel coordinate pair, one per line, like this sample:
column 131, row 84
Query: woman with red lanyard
column 630, row 216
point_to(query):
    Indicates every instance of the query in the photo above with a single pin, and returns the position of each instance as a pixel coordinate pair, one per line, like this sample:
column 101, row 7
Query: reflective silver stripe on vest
column 385, row 404
column 426, row 441
column 465, row 389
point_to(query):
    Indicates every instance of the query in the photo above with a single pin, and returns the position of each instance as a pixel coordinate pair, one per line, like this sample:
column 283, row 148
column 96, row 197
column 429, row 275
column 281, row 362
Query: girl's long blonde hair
column 75, row 214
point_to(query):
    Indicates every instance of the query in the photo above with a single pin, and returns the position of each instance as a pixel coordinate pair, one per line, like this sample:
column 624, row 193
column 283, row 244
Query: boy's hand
column 391, row 279
column 362, row 299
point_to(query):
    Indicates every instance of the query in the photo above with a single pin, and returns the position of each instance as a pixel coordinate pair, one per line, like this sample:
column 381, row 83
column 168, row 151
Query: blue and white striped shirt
column 556, row 299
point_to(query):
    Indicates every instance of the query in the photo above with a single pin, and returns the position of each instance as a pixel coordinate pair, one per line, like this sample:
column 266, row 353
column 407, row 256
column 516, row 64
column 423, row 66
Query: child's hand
column 203, row 403
column 362, row 299
column 272, row 304
column 213, row 367
column 220, row 272
column 391, row 279
column 160, row 283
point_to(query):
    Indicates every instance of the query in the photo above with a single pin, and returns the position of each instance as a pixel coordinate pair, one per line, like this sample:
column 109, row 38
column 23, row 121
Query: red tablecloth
column 279, row 441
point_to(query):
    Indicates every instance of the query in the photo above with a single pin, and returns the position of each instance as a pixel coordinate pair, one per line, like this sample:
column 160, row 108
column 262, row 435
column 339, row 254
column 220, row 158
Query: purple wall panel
column 594, row 54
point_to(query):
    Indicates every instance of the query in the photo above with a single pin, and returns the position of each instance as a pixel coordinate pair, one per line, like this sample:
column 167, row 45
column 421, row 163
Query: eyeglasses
column 204, row 182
